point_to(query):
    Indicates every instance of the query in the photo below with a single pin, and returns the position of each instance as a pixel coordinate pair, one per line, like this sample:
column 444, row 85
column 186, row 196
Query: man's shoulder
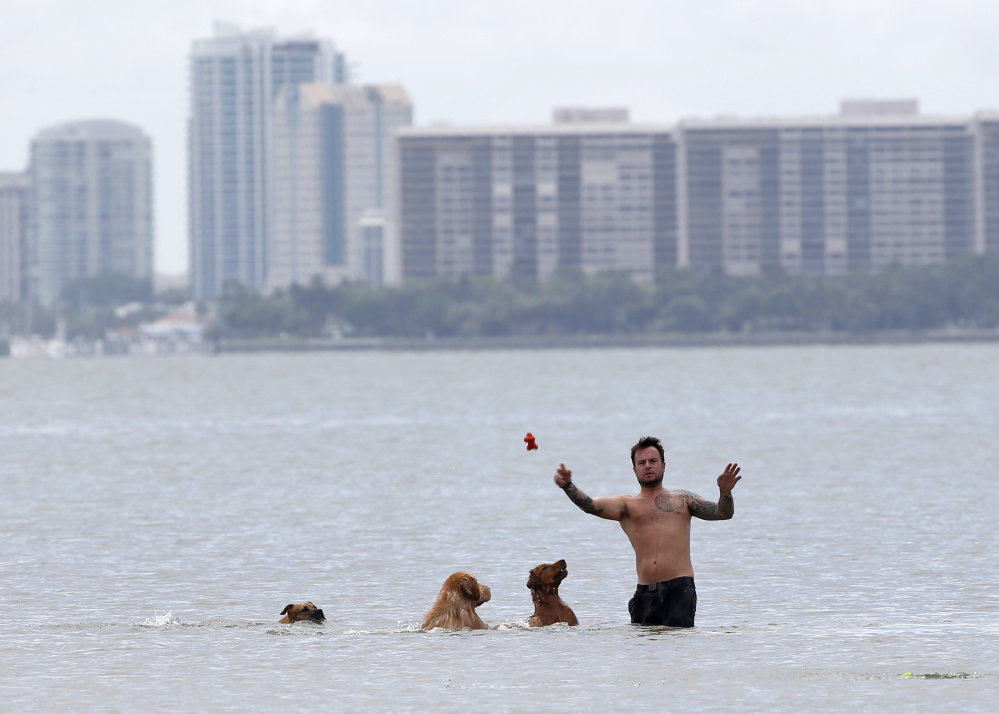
column 682, row 493
column 622, row 498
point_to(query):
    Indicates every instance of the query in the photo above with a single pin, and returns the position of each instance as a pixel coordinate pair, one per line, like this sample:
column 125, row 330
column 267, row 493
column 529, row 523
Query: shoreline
column 528, row 342
column 20, row 348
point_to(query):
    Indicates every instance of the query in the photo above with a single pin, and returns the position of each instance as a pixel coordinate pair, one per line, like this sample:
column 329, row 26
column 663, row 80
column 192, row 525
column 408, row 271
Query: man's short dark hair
column 644, row 443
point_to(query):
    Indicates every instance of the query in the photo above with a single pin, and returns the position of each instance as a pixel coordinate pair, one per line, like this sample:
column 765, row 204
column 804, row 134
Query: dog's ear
column 287, row 608
column 533, row 581
column 469, row 588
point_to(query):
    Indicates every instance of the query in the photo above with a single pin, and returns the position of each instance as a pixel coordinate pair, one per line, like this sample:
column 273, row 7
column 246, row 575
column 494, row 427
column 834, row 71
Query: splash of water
column 162, row 620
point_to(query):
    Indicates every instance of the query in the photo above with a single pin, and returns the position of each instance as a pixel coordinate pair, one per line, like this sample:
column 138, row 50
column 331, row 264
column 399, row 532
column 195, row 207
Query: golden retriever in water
column 549, row 608
column 304, row 611
column 456, row 603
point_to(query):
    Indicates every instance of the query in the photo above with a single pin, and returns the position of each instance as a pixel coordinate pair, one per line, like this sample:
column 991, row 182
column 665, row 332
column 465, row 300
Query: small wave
column 82, row 626
column 167, row 620
column 296, row 629
column 226, row 624
column 937, row 675
column 39, row 430
column 909, row 675
column 522, row 625
column 401, row 628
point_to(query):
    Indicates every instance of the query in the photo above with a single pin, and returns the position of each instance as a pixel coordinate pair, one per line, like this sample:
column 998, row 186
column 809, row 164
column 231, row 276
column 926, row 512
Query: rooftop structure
column 575, row 115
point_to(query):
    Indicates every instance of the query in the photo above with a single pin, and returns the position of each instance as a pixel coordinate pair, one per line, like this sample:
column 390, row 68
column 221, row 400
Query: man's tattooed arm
column 711, row 511
column 584, row 502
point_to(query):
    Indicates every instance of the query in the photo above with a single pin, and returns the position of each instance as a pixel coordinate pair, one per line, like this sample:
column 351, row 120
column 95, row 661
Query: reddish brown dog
column 549, row 608
column 304, row 611
column 456, row 603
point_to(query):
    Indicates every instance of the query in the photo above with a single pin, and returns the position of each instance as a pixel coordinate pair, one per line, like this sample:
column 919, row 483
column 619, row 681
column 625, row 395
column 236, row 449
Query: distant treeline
column 88, row 307
column 963, row 293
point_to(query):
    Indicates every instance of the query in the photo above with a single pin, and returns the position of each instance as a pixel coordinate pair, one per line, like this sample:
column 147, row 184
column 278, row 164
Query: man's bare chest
column 664, row 510
column 670, row 502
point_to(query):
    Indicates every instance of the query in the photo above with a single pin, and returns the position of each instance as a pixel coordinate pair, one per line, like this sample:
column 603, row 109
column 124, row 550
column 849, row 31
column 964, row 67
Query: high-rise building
column 878, row 184
column 234, row 78
column 334, row 183
column 92, row 207
column 987, row 182
column 14, row 220
column 525, row 201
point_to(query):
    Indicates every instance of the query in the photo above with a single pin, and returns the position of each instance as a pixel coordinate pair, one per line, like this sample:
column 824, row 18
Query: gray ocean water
column 157, row 515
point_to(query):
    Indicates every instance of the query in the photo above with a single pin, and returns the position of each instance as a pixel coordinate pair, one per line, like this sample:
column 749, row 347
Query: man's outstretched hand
column 728, row 480
column 563, row 476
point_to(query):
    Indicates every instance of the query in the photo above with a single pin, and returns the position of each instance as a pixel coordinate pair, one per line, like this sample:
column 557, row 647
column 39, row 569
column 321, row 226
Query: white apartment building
column 875, row 185
column 334, row 183
column 14, row 221
column 234, row 78
column 590, row 192
column 878, row 184
column 92, row 211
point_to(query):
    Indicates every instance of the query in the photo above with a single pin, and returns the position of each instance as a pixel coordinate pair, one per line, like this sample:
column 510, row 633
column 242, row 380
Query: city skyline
column 512, row 64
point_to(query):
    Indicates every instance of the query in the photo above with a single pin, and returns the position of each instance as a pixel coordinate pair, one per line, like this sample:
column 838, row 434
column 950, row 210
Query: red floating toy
column 530, row 441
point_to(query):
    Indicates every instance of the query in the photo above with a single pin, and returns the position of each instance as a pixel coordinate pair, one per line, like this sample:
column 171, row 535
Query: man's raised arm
column 610, row 508
column 725, row 508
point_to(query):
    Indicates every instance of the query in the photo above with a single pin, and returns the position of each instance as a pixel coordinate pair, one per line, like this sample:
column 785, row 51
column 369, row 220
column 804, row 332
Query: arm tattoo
column 711, row 511
column 584, row 502
column 726, row 505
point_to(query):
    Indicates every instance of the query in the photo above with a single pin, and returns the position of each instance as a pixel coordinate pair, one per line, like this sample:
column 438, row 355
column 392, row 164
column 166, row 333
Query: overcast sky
column 467, row 62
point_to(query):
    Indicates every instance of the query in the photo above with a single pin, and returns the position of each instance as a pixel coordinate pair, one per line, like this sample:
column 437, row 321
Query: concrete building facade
column 234, row 79
column 987, row 182
column 15, row 196
column 878, row 184
column 525, row 201
column 92, row 206
column 335, row 183
column 829, row 195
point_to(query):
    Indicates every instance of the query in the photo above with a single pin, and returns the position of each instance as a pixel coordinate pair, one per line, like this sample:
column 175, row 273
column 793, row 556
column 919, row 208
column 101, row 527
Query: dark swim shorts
column 671, row 603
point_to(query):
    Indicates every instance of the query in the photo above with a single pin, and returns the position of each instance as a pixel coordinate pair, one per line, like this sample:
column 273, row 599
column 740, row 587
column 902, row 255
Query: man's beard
column 652, row 484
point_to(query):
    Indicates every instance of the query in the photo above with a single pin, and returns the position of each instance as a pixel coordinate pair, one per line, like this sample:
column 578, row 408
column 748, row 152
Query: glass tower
column 92, row 211
column 234, row 78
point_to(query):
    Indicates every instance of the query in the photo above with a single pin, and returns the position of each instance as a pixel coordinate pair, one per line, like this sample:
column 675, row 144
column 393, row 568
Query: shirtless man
column 657, row 521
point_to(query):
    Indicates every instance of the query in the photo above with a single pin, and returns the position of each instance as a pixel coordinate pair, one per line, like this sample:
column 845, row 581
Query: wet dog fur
column 549, row 608
column 300, row 612
column 456, row 603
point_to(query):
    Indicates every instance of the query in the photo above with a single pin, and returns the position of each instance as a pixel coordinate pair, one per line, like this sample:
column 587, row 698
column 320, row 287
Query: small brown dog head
column 548, row 606
column 467, row 585
column 546, row 577
column 456, row 603
column 304, row 611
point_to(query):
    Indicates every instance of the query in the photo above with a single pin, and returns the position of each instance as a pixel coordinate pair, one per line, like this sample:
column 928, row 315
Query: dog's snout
column 484, row 593
column 318, row 615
